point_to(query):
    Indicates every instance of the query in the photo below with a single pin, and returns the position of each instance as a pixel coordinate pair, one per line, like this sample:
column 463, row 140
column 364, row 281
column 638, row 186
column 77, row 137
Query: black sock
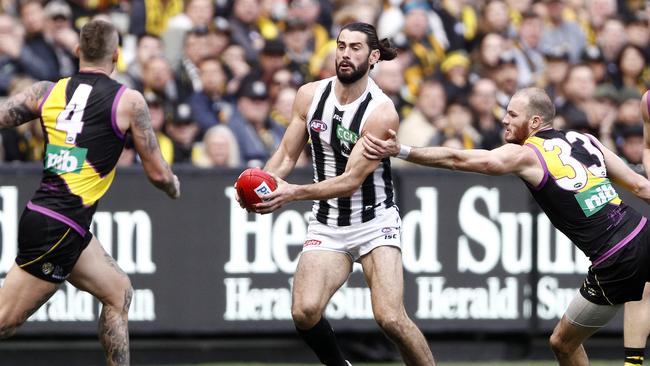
column 634, row 356
column 322, row 340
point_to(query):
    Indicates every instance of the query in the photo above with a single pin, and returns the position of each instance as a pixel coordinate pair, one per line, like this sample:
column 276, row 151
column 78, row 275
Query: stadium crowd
column 220, row 76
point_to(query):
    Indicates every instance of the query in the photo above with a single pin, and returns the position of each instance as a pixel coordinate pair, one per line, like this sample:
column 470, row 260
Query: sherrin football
column 253, row 184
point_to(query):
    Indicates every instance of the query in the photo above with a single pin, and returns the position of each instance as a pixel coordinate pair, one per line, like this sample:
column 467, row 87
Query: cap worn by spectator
column 273, row 47
column 557, row 54
column 606, row 91
column 453, row 59
column 252, row 88
column 628, row 93
column 58, row 9
column 294, row 24
column 182, row 114
column 632, row 130
column 221, row 25
column 592, row 54
column 400, row 41
column 506, row 58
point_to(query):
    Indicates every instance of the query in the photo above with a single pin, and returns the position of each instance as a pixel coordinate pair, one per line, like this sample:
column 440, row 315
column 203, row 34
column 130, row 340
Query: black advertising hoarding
column 473, row 246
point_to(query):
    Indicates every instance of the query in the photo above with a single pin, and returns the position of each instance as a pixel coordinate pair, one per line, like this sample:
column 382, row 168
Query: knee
column 559, row 345
column 390, row 321
column 120, row 295
column 8, row 325
column 305, row 315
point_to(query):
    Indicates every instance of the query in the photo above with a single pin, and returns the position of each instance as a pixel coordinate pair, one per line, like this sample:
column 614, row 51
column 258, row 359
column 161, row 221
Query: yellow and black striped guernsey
column 82, row 146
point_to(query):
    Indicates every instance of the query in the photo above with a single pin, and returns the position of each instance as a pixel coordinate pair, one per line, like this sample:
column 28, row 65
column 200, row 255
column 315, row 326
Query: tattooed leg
column 114, row 331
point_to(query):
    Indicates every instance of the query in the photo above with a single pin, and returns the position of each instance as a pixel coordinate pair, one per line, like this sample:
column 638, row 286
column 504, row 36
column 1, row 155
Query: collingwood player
column 354, row 214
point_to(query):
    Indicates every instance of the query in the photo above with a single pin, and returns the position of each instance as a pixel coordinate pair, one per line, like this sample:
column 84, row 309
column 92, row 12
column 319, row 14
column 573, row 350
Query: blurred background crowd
column 220, row 76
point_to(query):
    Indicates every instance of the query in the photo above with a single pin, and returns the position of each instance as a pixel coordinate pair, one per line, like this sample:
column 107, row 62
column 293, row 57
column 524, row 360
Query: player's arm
column 24, row 106
column 646, row 133
column 357, row 169
column 295, row 137
column 509, row 158
column 621, row 174
column 137, row 119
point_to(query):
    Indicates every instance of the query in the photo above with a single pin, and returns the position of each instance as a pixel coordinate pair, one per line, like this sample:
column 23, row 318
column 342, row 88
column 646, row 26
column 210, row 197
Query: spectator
column 245, row 30
column 234, row 60
column 557, row 68
column 632, row 69
column 593, row 57
column 258, row 136
column 148, row 48
column 157, row 78
column 152, row 16
column 455, row 74
column 579, row 89
column 195, row 49
column 272, row 59
column 218, row 37
column 459, row 126
column 197, row 14
column 309, row 12
column 530, row 60
column 389, row 76
column 603, row 110
column 561, row 32
column 282, row 109
column 631, row 146
column 33, row 18
column 62, row 36
column 486, row 56
column 506, row 76
column 209, row 107
column 158, row 120
column 280, row 80
column 494, row 18
column 427, row 119
column 460, row 23
column 426, row 49
column 299, row 53
column 611, row 40
column 16, row 60
column 487, row 113
column 219, row 148
column 183, row 131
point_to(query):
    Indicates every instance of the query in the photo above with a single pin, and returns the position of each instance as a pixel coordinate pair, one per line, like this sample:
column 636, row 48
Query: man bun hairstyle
column 386, row 51
column 98, row 40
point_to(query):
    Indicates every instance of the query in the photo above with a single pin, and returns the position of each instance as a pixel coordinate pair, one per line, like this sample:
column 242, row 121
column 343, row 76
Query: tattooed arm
column 24, row 106
column 133, row 115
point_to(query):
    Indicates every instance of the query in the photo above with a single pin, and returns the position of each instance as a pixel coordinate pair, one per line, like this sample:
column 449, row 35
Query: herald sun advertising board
column 478, row 255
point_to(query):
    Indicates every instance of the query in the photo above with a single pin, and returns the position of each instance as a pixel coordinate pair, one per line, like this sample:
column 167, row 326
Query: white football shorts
column 356, row 240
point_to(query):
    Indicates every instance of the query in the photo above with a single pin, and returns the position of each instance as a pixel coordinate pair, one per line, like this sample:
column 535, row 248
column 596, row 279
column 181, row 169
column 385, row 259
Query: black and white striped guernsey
column 334, row 129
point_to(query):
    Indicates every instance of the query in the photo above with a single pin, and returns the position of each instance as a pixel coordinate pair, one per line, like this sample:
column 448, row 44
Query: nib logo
column 63, row 160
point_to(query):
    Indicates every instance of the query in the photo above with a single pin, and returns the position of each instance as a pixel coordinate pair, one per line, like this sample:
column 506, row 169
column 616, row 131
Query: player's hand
column 377, row 149
column 176, row 192
column 282, row 195
column 241, row 204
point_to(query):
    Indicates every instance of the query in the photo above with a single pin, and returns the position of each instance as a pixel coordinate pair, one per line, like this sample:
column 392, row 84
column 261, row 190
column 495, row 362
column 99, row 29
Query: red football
column 253, row 184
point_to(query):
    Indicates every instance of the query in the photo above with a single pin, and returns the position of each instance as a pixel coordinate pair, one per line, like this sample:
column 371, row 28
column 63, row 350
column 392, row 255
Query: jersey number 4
column 70, row 120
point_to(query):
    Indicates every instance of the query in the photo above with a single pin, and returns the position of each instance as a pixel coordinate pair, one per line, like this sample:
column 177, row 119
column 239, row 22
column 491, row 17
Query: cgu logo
column 318, row 126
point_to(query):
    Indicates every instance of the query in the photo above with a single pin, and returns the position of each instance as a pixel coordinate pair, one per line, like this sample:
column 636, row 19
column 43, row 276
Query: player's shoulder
column 131, row 98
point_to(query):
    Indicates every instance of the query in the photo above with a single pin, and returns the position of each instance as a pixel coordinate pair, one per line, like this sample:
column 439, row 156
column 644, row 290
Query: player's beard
column 355, row 74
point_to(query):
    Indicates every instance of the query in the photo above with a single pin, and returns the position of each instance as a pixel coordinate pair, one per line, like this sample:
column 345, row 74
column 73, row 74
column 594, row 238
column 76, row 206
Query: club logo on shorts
column 387, row 230
column 47, row 268
column 318, row 126
column 311, row 242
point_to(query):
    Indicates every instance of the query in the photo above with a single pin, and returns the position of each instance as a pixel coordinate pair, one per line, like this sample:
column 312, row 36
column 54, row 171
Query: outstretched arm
column 509, row 158
column 134, row 108
column 24, row 106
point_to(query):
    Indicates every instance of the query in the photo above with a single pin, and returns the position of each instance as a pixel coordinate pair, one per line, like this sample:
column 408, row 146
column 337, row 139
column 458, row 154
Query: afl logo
column 317, row 126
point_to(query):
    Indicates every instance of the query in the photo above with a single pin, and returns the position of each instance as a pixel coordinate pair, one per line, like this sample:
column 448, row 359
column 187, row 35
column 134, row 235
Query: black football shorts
column 48, row 248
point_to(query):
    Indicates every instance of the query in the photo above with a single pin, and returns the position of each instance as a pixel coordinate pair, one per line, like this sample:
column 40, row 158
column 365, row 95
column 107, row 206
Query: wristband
column 404, row 151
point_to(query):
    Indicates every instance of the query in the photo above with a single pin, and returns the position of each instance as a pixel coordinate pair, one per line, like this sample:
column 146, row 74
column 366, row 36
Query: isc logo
column 61, row 160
